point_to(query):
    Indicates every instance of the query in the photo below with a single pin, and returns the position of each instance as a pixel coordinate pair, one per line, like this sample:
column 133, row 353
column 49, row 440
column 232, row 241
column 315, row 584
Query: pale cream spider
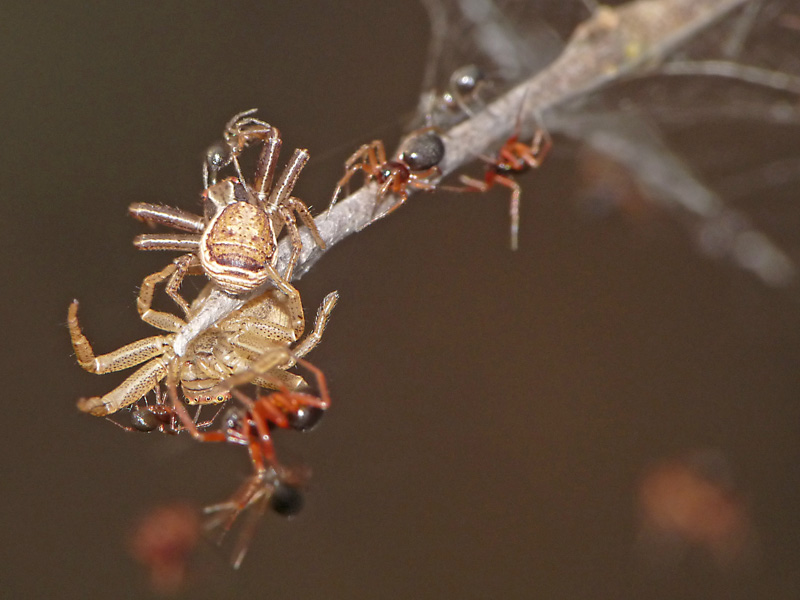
column 256, row 344
column 235, row 241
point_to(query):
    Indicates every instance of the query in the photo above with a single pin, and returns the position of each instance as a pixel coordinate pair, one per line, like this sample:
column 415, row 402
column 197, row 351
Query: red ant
column 249, row 426
column 160, row 416
column 282, row 408
column 276, row 487
column 271, row 484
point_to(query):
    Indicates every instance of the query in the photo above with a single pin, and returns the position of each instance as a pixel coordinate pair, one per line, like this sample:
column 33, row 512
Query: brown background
column 492, row 413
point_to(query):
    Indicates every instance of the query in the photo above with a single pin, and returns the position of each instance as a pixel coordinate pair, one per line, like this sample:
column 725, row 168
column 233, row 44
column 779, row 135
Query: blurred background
column 606, row 413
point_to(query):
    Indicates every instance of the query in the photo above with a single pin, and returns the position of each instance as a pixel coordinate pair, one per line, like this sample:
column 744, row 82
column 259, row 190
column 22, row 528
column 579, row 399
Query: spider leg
column 129, row 391
column 159, row 319
column 392, row 184
column 305, row 216
column 425, row 180
column 183, row 263
column 471, row 185
column 288, row 178
column 126, row 357
column 167, row 215
column 267, row 161
column 323, row 314
column 294, row 235
column 181, row 242
column 277, row 356
column 278, row 378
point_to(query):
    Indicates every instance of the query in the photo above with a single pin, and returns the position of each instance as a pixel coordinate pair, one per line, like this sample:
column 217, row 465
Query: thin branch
column 603, row 49
column 722, row 232
column 766, row 78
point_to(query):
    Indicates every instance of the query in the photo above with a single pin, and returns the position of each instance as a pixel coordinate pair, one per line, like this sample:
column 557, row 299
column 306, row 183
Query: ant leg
column 476, row 185
column 378, row 153
column 539, row 148
column 472, row 185
column 322, row 383
column 262, row 451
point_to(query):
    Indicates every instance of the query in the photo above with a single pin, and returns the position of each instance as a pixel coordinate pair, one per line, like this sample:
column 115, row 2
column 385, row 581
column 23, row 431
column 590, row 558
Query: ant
column 460, row 99
column 415, row 165
column 271, row 484
column 250, row 425
column 160, row 416
column 277, row 488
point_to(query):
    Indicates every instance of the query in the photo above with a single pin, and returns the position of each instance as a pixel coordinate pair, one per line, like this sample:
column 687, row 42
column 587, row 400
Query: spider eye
column 305, row 418
column 423, row 151
column 286, row 500
column 144, row 420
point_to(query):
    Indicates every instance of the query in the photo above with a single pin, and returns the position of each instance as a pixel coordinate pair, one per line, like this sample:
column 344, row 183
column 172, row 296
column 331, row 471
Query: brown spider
column 235, row 242
column 513, row 158
column 252, row 345
column 414, row 166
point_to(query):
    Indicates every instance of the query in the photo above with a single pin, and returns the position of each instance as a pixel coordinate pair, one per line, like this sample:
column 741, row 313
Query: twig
column 606, row 47
column 766, row 78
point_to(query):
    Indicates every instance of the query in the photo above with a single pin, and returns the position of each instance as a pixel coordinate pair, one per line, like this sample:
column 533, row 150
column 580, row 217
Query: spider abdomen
column 235, row 249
